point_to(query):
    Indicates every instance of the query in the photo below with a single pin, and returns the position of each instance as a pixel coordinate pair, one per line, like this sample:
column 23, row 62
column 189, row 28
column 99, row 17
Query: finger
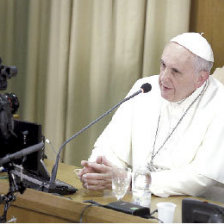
column 92, row 165
column 99, row 159
column 94, row 185
column 84, row 163
column 100, row 168
column 97, row 184
column 85, row 170
column 97, row 187
column 105, row 161
column 97, row 181
column 85, row 185
column 96, row 176
column 81, row 173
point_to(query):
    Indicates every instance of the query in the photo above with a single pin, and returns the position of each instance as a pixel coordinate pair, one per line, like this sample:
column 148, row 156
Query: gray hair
column 201, row 64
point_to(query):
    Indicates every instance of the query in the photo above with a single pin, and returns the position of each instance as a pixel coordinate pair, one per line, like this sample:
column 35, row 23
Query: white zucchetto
column 195, row 43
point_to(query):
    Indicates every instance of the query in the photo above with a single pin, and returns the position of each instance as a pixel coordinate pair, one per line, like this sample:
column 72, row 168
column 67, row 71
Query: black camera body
column 16, row 135
column 9, row 105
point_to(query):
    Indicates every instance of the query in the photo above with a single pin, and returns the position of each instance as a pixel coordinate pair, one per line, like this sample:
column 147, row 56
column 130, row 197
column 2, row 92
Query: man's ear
column 202, row 77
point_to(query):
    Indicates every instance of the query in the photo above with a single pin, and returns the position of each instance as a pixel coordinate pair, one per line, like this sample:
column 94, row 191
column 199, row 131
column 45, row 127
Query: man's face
column 177, row 78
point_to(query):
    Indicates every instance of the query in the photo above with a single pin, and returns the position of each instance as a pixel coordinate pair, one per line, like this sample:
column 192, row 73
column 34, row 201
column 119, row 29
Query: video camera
column 16, row 135
column 22, row 144
column 9, row 104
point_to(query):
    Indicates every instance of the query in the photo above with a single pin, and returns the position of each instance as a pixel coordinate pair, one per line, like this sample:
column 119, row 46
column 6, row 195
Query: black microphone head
column 146, row 87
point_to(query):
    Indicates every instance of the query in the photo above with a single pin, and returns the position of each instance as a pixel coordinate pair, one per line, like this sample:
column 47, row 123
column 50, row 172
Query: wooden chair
column 216, row 192
column 219, row 74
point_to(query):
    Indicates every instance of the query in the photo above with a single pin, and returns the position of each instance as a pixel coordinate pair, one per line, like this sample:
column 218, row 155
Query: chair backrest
column 219, row 74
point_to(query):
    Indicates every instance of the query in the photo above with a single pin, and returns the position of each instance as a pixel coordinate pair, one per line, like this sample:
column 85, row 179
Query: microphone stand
column 14, row 184
column 55, row 168
column 10, row 196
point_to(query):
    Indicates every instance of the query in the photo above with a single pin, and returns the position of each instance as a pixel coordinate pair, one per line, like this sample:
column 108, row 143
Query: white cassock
column 193, row 156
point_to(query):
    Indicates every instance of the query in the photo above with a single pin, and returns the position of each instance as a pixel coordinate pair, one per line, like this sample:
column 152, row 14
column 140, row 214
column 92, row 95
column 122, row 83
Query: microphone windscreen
column 146, row 87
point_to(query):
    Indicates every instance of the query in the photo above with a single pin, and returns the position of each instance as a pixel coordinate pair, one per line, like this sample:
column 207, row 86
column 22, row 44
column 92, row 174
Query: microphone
column 144, row 89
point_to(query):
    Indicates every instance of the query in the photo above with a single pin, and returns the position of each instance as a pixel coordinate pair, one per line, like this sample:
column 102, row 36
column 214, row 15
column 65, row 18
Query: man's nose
column 165, row 75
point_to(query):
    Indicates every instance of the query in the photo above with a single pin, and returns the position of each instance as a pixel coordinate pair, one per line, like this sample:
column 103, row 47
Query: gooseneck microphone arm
column 144, row 89
column 20, row 154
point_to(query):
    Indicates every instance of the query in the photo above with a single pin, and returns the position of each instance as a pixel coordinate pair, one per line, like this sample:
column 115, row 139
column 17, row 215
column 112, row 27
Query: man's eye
column 163, row 64
column 175, row 70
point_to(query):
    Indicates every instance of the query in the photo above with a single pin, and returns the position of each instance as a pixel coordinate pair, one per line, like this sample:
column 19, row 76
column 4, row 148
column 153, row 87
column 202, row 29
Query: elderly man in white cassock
column 176, row 130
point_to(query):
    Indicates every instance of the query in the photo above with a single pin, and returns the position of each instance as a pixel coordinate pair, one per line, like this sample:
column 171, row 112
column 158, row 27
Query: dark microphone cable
column 144, row 89
column 147, row 215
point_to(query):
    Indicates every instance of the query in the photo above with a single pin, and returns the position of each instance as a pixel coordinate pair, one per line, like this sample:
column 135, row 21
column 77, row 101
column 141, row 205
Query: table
column 39, row 207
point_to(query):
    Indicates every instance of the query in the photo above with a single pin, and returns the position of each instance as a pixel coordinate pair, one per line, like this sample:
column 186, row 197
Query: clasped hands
column 96, row 175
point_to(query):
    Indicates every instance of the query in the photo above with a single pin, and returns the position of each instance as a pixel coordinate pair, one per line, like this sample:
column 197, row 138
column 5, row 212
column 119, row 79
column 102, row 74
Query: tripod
column 10, row 196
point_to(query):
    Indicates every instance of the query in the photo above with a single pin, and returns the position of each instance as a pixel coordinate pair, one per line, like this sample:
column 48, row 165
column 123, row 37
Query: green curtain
column 77, row 58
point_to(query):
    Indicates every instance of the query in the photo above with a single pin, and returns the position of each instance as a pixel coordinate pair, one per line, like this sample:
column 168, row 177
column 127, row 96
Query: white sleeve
column 115, row 141
column 205, row 170
column 179, row 182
